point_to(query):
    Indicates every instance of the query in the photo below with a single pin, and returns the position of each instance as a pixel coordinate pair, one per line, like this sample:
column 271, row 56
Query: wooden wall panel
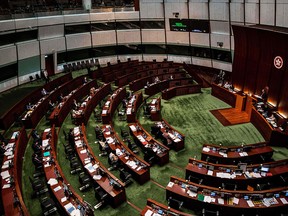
column 239, row 63
column 253, row 66
column 252, row 59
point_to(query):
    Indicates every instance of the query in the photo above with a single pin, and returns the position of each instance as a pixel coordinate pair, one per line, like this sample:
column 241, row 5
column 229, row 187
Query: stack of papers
column 132, row 164
column 221, row 201
column 283, row 200
column 47, row 130
column 104, row 112
column 5, row 174
column 170, row 184
column 250, row 203
column 191, row 193
column 78, row 143
column 149, row 213
column 90, row 167
column 52, row 181
column 45, row 143
column 206, row 149
column 210, row 172
column 242, row 154
column 83, row 151
column 235, row 200
column 97, row 177
column 223, row 154
column 133, row 128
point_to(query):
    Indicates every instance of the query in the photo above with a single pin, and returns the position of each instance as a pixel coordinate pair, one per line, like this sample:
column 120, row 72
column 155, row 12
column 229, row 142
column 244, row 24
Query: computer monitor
column 200, row 165
column 277, row 195
column 213, row 194
column 228, row 170
column 193, row 188
column 286, row 194
column 264, row 169
column 255, row 170
column 242, row 166
column 210, row 167
column 246, row 197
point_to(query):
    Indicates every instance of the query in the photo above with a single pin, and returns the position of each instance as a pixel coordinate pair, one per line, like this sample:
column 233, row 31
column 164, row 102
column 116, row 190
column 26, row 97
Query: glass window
column 152, row 24
column 154, row 49
column 221, row 55
column 127, row 25
column 106, row 26
column 201, row 52
column 8, row 72
column 75, row 29
column 178, row 50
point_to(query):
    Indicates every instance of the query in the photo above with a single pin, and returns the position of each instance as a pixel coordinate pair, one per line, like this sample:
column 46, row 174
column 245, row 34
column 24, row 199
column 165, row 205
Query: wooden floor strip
column 134, row 206
column 159, row 185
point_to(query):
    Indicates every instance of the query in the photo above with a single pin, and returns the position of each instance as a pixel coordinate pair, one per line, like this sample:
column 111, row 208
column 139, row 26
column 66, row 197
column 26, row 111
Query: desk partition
column 155, row 109
column 11, row 175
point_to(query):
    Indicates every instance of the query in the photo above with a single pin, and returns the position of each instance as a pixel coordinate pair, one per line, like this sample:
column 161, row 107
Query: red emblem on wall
column 278, row 62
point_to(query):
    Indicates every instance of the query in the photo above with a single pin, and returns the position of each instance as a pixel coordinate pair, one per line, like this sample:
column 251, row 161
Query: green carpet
column 189, row 114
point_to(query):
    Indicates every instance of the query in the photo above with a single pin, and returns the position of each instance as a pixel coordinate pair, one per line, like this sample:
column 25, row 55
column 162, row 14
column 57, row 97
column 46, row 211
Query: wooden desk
column 90, row 103
column 180, row 90
column 132, row 106
column 216, row 174
column 139, row 169
column 165, row 84
column 199, row 197
column 235, row 100
column 177, row 137
column 144, row 139
column 140, row 83
column 9, row 117
column 73, row 203
column 13, row 191
column 92, row 164
column 60, row 112
column 111, row 105
column 254, row 153
column 155, row 109
column 153, row 206
column 41, row 107
column 128, row 77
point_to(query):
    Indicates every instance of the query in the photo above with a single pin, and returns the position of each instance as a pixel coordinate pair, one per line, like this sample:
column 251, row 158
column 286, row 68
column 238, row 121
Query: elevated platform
column 231, row 116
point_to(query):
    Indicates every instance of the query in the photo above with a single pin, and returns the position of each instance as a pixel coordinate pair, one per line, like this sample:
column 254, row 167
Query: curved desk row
column 61, row 111
column 140, row 83
column 228, row 202
column 252, row 153
column 111, row 105
column 67, row 198
column 125, row 79
column 31, row 118
column 102, row 177
column 155, row 109
column 177, row 137
column 155, row 208
column 145, row 140
column 257, row 176
column 181, row 90
column 11, row 175
column 139, row 169
column 89, row 105
column 132, row 107
column 111, row 76
column 14, row 112
column 165, row 84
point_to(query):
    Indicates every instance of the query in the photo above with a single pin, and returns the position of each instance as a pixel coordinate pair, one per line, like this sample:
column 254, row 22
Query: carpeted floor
column 189, row 114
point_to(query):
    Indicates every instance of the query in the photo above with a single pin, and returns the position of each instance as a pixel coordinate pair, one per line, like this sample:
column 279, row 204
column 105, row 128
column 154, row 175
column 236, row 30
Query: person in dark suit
column 264, row 94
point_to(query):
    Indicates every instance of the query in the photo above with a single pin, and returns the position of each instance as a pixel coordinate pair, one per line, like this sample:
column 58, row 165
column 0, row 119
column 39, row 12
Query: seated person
column 271, row 118
column 156, row 80
column 85, row 80
column 264, row 94
column 147, row 84
column 36, row 160
column 171, row 77
column 60, row 98
column 75, row 104
column 51, row 105
column 113, row 159
column 283, row 126
column 44, row 92
column 29, row 107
